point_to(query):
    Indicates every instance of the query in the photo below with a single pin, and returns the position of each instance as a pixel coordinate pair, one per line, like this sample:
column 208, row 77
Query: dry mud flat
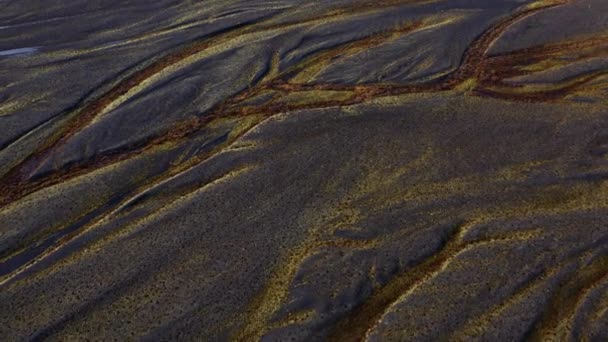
column 393, row 170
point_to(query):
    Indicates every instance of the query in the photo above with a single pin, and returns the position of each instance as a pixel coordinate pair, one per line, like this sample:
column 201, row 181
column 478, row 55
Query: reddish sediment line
column 15, row 183
column 542, row 95
column 500, row 67
column 12, row 182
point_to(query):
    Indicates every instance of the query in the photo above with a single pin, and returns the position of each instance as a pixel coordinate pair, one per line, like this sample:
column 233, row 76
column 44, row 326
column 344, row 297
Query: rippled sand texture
column 390, row 170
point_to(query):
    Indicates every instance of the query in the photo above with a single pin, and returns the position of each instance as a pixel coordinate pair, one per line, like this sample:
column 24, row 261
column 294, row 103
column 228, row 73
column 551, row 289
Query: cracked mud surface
column 395, row 170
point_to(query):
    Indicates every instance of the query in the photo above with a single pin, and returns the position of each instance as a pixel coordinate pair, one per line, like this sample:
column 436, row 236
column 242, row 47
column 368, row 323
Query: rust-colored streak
column 487, row 71
column 15, row 183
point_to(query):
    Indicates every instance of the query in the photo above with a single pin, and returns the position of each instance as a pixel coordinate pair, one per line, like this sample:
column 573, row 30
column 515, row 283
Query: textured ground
column 388, row 170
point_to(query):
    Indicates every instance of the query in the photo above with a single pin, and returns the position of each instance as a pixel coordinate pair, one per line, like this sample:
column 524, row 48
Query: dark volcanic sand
column 389, row 170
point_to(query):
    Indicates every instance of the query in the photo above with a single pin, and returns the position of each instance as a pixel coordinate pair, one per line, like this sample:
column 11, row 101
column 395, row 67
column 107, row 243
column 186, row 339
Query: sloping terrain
column 391, row 170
